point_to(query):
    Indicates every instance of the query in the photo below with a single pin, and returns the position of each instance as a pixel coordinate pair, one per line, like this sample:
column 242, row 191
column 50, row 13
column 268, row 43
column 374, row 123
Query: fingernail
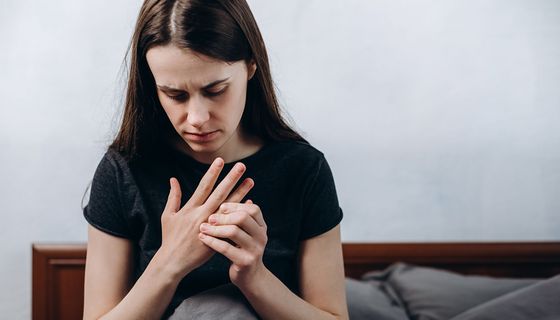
column 201, row 235
column 212, row 219
column 240, row 166
column 204, row 227
column 219, row 161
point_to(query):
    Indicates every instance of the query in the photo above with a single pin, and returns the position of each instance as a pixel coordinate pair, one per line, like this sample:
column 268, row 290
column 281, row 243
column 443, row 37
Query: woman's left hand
column 243, row 224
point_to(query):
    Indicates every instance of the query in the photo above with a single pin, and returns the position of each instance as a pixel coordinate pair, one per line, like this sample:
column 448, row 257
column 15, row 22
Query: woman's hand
column 181, row 249
column 244, row 225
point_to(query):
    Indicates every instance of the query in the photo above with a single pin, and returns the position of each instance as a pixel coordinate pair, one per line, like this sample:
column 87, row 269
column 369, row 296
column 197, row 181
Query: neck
column 240, row 145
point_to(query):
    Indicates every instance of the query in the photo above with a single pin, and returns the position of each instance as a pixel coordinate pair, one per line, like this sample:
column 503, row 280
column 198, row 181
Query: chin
column 199, row 147
column 209, row 147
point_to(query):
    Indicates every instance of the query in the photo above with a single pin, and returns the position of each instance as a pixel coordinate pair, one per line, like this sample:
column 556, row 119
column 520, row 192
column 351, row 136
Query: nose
column 197, row 113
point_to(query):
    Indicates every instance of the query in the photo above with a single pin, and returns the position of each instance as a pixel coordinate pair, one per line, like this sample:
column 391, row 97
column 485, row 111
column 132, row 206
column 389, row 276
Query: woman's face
column 203, row 98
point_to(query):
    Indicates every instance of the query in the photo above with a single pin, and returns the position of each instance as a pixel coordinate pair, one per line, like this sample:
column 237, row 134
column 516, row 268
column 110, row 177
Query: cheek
column 172, row 112
column 238, row 101
column 233, row 111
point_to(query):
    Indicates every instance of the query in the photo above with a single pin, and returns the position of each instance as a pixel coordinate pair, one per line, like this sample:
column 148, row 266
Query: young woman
column 205, row 184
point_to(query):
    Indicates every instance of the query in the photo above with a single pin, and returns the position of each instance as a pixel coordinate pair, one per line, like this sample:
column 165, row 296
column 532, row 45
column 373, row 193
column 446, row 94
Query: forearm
column 273, row 300
column 150, row 295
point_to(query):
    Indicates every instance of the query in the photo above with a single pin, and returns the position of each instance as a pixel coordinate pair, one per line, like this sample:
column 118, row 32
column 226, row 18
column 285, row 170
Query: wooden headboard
column 58, row 269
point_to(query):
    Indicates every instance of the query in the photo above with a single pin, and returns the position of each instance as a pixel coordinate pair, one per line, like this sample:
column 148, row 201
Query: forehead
column 176, row 67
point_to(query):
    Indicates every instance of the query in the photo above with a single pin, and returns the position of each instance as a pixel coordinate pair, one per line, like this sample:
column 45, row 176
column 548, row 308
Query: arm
column 322, row 287
column 109, row 262
column 322, row 273
column 108, row 293
column 323, row 294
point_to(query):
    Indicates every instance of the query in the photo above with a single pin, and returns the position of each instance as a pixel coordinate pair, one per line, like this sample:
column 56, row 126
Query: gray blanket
column 538, row 301
column 403, row 292
column 225, row 302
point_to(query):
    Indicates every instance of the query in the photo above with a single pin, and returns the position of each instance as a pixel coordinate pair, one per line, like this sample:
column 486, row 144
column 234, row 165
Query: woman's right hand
column 181, row 248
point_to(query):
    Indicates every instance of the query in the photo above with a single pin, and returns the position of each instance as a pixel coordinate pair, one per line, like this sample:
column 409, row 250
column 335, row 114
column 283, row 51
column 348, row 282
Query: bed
column 58, row 268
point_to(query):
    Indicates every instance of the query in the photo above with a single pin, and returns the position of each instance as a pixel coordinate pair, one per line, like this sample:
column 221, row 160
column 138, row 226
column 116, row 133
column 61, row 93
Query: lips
column 201, row 134
column 201, row 137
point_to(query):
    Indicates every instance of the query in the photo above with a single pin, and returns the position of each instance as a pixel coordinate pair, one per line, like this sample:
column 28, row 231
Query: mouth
column 201, row 137
column 201, row 134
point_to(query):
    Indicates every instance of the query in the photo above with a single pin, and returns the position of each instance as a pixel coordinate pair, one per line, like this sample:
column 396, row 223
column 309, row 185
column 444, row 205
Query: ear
column 251, row 69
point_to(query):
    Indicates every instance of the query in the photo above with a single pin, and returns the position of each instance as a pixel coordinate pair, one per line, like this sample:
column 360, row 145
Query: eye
column 179, row 97
column 210, row 93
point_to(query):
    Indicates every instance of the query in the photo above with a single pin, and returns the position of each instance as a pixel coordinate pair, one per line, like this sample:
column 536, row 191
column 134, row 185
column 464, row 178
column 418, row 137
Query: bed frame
column 58, row 269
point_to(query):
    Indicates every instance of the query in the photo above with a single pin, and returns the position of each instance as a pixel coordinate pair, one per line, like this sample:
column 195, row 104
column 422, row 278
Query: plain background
column 439, row 119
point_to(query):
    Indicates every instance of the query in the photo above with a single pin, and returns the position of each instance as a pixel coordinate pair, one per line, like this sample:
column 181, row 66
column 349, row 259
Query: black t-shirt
column 294, row 188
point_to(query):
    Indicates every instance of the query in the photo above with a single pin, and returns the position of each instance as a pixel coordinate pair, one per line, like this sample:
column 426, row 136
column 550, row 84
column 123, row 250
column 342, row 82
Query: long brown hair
column 221, row 29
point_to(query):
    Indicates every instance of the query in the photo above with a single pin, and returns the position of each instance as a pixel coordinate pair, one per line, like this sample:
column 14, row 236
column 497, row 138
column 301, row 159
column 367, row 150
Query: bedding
column 403, row 291
column 371, row 300
column 224, row 302
column 538, row 301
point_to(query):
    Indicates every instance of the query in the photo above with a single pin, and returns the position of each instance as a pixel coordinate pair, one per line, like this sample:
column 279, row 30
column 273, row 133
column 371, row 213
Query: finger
column 174, row 199
column 206, row 184
column 251, row 208
column 224, row 188
column 231, row 232
column 241, row 191
column 229, row 251
column 242, row 219
column 249, row 201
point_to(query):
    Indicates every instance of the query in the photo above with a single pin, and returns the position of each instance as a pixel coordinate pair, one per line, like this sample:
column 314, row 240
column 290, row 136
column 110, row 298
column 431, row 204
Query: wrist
column 164, row 265
column 257, row 280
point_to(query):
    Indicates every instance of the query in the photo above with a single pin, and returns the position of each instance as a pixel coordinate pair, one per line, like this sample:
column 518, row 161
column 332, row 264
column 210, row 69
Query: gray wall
column 439, row 118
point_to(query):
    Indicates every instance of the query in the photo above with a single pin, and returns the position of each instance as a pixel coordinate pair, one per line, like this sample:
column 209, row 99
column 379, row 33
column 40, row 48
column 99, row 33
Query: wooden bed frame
column 58, row 269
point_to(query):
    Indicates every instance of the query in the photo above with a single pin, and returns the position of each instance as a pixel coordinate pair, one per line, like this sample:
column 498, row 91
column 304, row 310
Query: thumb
column 174, row 199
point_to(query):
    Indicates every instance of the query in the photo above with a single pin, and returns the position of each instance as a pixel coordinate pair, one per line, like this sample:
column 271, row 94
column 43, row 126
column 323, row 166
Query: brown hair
column 221, row 29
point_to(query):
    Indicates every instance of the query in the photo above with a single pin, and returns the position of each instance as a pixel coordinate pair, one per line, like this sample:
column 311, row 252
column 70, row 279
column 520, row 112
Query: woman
column 201, row 110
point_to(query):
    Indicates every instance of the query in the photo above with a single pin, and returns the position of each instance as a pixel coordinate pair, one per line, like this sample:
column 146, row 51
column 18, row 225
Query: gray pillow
column 225, row 302
column 368, row 300
column 434, row 294
column 538, row 301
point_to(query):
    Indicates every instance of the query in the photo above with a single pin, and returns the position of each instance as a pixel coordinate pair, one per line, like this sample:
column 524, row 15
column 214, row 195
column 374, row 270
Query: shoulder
column 297, row 159
column 113, row 165
column 115, row 178
column 114, row 158
column 300, row 151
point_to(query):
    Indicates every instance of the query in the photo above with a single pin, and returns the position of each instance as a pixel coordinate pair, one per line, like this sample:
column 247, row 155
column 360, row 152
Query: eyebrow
column 210, row 85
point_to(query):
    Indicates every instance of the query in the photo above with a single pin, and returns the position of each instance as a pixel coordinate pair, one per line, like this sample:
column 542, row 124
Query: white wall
column 438, row 118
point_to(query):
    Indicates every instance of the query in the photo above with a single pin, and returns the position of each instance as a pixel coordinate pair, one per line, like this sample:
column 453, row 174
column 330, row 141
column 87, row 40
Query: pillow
column 225, row 302
column 434, row 294
column 537, row 301
column 368, row 300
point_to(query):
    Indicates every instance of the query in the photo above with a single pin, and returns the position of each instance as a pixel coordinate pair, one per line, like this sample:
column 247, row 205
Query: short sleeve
column 104, row 210
column 321, row 211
